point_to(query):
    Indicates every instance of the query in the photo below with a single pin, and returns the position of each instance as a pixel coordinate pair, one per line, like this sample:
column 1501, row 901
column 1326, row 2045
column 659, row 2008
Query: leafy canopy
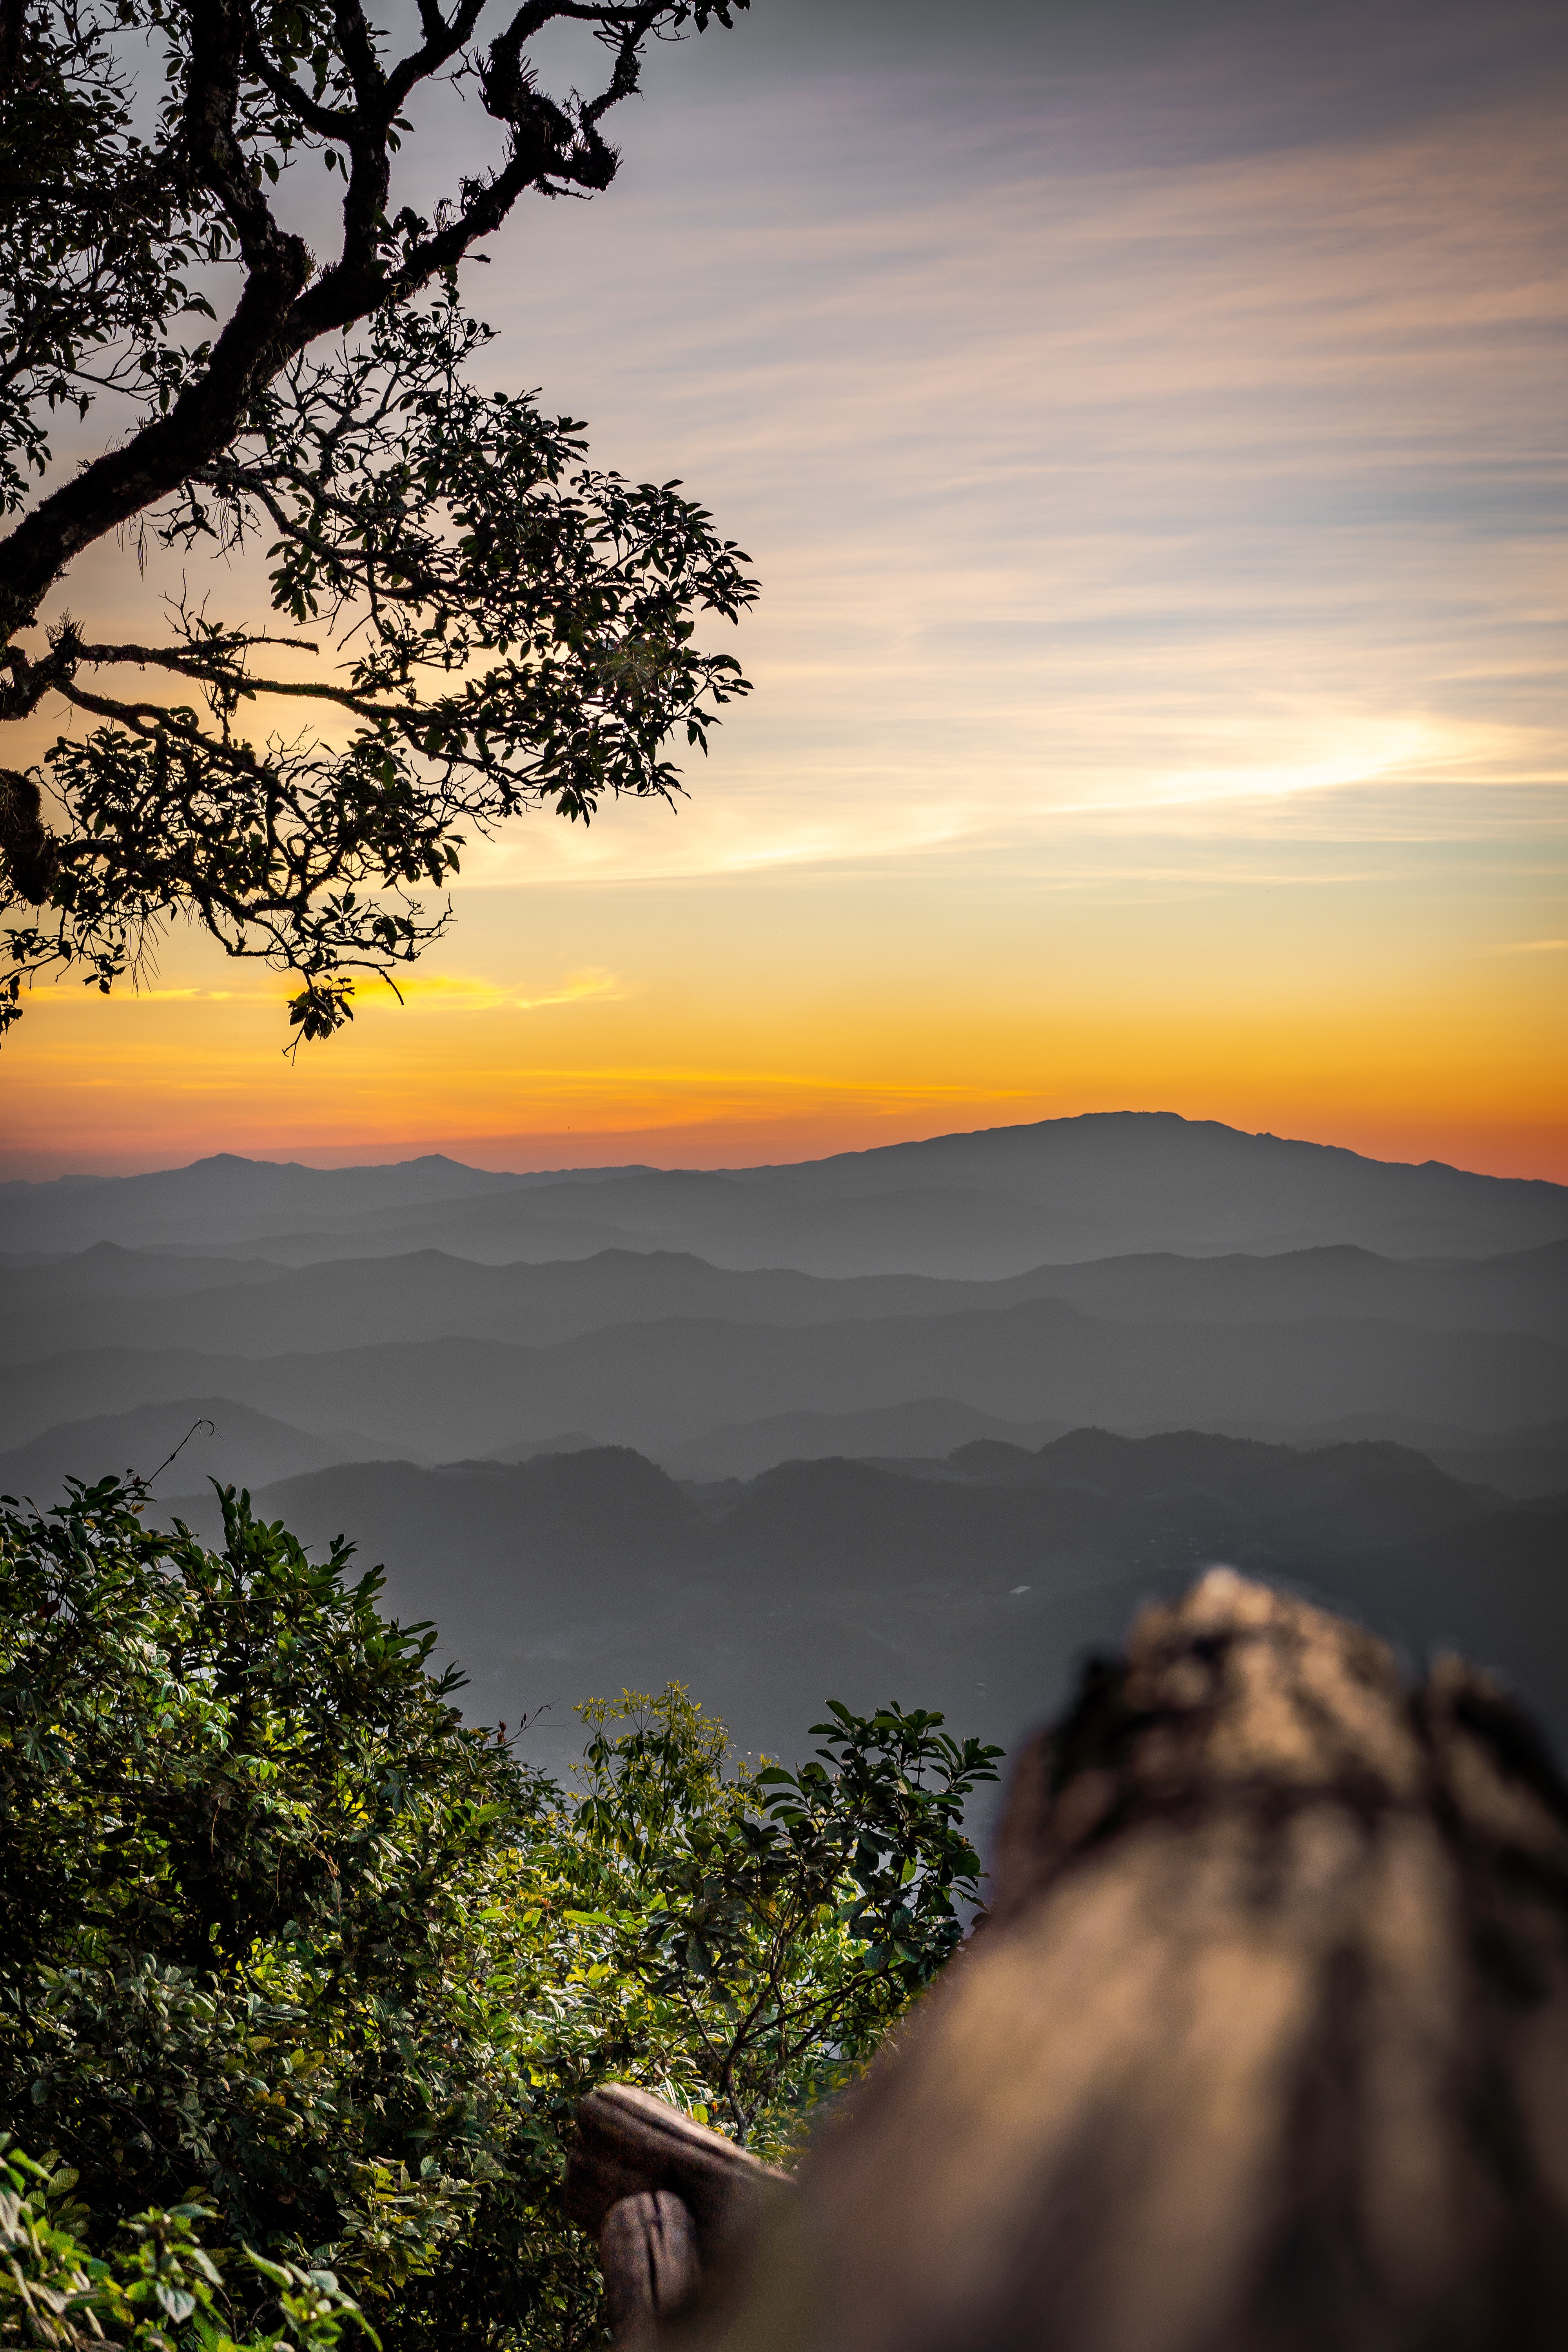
column 282, row 1938
column 470, row 620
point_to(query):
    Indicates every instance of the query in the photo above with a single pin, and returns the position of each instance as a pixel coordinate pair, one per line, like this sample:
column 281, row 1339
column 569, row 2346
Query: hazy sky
column 1147, row 422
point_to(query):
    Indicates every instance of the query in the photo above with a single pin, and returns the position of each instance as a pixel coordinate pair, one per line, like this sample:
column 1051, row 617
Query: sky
column 1147, row 423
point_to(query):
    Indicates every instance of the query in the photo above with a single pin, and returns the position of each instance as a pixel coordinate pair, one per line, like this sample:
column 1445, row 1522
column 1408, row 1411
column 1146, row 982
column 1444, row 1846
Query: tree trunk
column 1264, row 2047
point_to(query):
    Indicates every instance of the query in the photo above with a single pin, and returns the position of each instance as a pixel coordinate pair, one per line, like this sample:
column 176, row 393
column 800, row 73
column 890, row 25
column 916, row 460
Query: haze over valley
column 922, row 1422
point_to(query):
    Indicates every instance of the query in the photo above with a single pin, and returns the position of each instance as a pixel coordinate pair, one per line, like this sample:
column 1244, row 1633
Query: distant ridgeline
column 992, row 1202
column 880, row 1345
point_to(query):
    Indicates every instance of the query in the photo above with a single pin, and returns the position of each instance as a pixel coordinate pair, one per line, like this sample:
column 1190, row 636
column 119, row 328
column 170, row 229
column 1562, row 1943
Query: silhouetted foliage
column 483, row 621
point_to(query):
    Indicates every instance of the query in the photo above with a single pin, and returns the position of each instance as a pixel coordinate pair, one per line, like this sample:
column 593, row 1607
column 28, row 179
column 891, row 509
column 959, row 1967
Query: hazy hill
column 922, row 1427
column 971, row 1205
column 999, row 1200
column 875, row 1373
column 1123, row 1181
column 1523, row 1291
column 224, row 1197
column 578, row 1575
column 109, row 1296
column 656, row 1384
column 107, row 1272
column 240, row 1447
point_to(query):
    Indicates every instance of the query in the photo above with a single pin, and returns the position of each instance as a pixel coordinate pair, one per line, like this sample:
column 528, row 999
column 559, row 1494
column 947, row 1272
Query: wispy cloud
column 1155, row 478
column 443, row 992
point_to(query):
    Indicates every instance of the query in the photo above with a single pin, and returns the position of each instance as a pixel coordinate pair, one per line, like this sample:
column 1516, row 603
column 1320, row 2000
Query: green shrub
column 160, row 2289
column 244, row 1836
column 284, row 1941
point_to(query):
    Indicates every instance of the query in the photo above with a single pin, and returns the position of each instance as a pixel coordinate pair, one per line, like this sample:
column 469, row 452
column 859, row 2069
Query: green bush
column 160, row 2289
column 244, row 1836
column 283, row 1940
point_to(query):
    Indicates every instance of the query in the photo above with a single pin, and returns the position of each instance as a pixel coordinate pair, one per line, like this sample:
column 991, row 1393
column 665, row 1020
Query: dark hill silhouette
column 919, row 1427
column 240, row 1446
column 576, row 1576
column 1390, row 1492
column 1089, row 1487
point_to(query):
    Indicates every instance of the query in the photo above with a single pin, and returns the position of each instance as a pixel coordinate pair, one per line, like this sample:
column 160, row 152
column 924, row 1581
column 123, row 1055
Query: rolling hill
column 215, row 1438
column 971, row 1585
column 109, row 1296
column 656, row 1384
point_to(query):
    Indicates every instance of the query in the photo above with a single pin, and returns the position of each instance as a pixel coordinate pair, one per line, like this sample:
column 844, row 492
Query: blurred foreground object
column 1263, row 2046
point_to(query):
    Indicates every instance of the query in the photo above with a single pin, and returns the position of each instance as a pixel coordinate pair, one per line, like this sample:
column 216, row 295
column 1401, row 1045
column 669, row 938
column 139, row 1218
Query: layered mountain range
column 781, row 1433
column 984, row 1204
column 972, row 1583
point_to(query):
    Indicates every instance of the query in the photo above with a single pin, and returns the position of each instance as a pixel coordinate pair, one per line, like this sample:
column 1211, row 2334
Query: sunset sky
column 1147, row 423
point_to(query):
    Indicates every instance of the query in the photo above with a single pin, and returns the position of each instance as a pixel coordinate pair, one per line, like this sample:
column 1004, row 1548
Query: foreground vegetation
column 295, row 1964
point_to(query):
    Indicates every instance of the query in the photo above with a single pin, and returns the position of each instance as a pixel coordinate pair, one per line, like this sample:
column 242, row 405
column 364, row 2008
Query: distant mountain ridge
column 976, row 1205
column 109, row 1296
column 657, row 1383
column 209, row 1436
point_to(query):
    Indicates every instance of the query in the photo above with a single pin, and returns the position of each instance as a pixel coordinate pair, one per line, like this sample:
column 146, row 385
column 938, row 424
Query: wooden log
column 628, row 2143
column 647, row 2250
column 1265, row 2045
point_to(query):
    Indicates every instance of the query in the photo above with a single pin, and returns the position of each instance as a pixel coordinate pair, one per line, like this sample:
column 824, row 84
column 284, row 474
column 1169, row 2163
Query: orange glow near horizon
column 1159, row 671
column 711, row 1046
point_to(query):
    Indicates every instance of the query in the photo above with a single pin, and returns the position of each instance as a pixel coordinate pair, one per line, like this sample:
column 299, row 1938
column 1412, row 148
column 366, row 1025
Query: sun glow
column 1158, row 671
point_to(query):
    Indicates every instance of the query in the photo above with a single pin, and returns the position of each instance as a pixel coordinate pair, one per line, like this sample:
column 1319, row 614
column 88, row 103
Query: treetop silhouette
column 469, row 619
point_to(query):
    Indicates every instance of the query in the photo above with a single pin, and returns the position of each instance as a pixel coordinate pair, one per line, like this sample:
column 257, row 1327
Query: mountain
column 106, row 1270
column 223, row 1195
column 109, row 1296
column 937, row 1414
column 656, row 1384
column 970, row 1206
column 972, row 1586
column 215, row 1438
column 924, row 1426
column 529, row 1449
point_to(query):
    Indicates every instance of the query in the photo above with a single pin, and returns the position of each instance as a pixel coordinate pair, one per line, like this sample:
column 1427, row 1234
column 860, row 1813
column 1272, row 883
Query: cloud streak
column 1146, row 422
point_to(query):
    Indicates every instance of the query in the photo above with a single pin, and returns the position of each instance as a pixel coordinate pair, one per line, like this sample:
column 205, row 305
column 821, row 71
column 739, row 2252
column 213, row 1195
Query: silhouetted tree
column 477, row 620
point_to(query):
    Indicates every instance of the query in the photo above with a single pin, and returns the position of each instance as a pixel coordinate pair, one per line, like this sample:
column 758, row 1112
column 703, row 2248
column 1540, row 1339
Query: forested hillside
column 972, row 1583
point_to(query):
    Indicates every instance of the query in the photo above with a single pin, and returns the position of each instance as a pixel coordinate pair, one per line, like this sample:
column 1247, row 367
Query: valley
column 783, row 1435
